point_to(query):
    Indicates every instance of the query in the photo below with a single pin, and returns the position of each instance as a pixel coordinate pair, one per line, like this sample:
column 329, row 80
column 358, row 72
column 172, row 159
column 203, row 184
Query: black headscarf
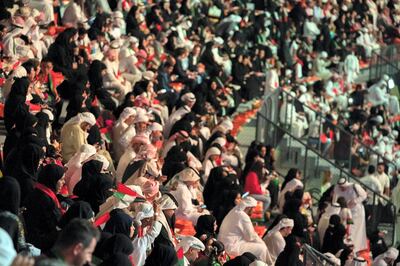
column 91, row 168
column 42, row 123
column 243, row 260
column 290, row 254
column 79, row 209
column 15, row 108
column 162, row 255
column 22, row 163
column 94, row 136
column 289, row 177
column 119, row 259
column 334, row 235
column 11, row 194
column 49, row 176
column 205, row 226
column 118, row 243
column 94, row 187
column 94, row 74
column 119, row 222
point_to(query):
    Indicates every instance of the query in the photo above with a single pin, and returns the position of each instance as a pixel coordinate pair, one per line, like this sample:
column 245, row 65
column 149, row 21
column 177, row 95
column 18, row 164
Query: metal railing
column 384, row 61
column 295, row 152
column 348, row 151
column 311, row 256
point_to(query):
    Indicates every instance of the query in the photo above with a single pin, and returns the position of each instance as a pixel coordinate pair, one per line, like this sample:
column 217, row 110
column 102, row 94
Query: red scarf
column 51, row 194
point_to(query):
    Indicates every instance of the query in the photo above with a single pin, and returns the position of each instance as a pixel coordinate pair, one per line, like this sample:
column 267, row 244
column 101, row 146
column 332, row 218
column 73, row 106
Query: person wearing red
column 256, row 184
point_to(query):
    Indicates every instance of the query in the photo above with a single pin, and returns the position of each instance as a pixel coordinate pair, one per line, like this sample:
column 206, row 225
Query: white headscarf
column 74, row 165
column 188, row 242
column 145, row 210
column 285, row 222
column 82, row 117
column 212, row 151
column 166, row 203
column 126, row 113
column 246, row 202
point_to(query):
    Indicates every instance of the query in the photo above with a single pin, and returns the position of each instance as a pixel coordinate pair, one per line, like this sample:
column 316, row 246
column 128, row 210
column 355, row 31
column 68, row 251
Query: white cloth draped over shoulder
column 238, row 234
column 354, row 195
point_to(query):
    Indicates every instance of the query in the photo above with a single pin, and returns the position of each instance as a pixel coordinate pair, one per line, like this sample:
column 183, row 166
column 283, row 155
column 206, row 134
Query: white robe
column 271, row 81
column 238, row 235
column 288, row 116
column 119, row 130
column 186, row 210
column 73, row 15
column 175, row 117
column 112, row 79
column 355, row 195
column 142, row 244
column 123, row 163
column 45, row 6
column 275, row 245
column 351, row 68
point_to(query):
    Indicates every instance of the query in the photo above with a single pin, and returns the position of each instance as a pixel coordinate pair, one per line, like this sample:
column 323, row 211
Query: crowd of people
column 119, row 119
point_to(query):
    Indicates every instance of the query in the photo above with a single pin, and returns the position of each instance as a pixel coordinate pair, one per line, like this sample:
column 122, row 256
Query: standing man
column 354, row 195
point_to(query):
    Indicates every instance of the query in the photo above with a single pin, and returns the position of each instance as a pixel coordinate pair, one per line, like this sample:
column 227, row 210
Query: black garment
column 97, row 87
column 15, row 108
column 226, row 199
column 79, row 209
column 119, row 259
column 132, row 168
column 49, row 176
column 290, row 254
column 97, row 26
column 42, row 124
column 243, row 260
column 205, row 226
column 131, row 21
column 119, row 223
column 334, row 236
column 377, row 244
column 162, row 255
column 118, row 243
column 174, row 162
column 213, row 187
column 9, row 210
column 163, row 238
column 94, row 136
column 22, row 163
column 94, row 187
column 61, row 52
column 292, row 211
column 42, row 214
column 11, row 194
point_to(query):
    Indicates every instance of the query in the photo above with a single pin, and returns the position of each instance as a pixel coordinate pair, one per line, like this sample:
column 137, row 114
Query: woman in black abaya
column 118, row 243
column 15, row 112
column 119, row 223
column 94, row 187
column 23, row 163
column 61, row 52
column 9, row 211
column 43, row 209
column 95, row 74
column 290, row 255
column 334, row 236
column 79, row 209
